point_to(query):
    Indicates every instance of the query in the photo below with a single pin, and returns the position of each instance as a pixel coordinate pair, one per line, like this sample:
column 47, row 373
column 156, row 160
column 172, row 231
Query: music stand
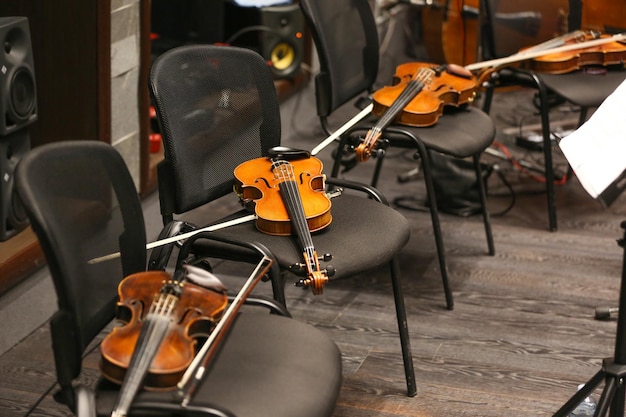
column 613, row 369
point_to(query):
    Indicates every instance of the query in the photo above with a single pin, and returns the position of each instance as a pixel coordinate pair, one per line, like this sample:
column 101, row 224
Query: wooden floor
column 522, row 334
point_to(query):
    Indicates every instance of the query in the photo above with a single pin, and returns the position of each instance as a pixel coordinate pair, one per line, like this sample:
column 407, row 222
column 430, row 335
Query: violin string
column 293, row 201
column 413, row 88
column 422, row 77
column 153, row 332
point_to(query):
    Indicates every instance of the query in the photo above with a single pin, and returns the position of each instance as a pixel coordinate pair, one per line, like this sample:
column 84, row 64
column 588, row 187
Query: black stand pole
column 613, row 369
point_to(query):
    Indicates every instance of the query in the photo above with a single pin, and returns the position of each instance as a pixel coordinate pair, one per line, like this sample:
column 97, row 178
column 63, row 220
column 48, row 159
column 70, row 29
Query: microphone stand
column 613, row 371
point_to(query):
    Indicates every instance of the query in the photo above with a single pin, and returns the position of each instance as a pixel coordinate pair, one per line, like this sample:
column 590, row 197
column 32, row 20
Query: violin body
column 194, row 315
column 256, row 184
column 611, row 53
column 451, row 86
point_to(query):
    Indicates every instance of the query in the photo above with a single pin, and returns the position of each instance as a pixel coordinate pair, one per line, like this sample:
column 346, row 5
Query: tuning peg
column 330, row 271
column 298, row 269
column 326, row 257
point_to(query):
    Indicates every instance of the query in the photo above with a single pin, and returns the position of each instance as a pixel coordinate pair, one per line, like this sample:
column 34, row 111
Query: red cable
column 517, row 165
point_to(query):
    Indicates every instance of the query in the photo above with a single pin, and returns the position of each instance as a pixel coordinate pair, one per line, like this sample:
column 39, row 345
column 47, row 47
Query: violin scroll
column 315, row 277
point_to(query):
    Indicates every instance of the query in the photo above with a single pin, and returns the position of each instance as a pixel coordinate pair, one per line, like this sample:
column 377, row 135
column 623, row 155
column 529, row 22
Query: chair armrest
column 278, row 305
column 160, row 256
column 272, row 305
column 358, row 186
column 168, row 409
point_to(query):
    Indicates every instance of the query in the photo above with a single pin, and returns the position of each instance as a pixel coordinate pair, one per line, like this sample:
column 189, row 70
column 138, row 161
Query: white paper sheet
column 596, row 151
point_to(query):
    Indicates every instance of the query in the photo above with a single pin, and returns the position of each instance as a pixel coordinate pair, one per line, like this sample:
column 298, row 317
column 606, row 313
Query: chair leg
column 379, row 165
column 544, row 110
column 434, row 215
column 483, row 204
column 547, row 156
column 403, row 328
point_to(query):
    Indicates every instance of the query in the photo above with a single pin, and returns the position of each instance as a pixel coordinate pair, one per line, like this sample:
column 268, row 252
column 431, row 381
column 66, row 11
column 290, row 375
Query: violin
column 163, row 317
column 610, row 53
column 436, row 85
column 287, row 190
column 485, row 69
column 417, row 98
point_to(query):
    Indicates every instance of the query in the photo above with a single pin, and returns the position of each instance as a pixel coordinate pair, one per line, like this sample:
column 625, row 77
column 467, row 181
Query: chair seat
column 467, row 131
column 582, row 88
column 579, row 87
column 259, row 345
column 387, row 233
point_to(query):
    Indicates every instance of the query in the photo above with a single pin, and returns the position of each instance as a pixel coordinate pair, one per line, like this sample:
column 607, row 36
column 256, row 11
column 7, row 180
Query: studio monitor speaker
column 283, row 42
column 18, row 109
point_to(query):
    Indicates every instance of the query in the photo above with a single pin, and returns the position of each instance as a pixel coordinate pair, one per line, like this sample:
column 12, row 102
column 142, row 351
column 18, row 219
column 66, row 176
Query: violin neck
column 153, row 332
column 290, row 193
column 412, row 89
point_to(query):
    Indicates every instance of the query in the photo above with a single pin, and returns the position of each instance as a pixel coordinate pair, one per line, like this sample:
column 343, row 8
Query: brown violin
column 287, row 191
column 613, row 52
column 417, row 98
column 162, row 318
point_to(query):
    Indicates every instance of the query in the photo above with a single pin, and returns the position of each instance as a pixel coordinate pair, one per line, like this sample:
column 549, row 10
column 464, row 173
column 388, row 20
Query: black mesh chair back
column 228, row 126
column 87, row 209
column 348, row 53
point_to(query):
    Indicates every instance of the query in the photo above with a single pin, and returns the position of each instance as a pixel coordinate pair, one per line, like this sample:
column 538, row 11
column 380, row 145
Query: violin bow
column 187, row 235
column 361, row 115
column 176, row 238
column 192, row 377
column 533, row 52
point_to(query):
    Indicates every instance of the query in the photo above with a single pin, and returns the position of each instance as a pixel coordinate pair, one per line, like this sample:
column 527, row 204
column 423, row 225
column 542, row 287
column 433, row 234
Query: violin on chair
column 287, row 192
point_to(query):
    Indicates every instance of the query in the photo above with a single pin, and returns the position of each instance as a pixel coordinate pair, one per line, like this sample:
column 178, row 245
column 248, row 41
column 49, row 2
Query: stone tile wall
column 125, row 22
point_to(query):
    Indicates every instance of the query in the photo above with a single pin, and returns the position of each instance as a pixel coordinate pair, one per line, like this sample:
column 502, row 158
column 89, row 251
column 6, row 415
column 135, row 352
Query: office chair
column 82, row 202
column 217, row 108
column 582, row 88
column 345, row 36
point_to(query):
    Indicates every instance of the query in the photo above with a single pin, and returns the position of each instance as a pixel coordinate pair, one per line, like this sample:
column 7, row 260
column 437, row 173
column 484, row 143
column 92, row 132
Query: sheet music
column 596, row 151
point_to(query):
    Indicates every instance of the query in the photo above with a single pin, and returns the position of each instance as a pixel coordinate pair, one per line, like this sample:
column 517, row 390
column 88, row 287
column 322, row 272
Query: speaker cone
column 23, row 93
column 282, row 56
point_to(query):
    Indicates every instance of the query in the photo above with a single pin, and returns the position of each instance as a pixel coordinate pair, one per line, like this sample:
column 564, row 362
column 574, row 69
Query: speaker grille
column 18, row 109
column 18, row 95
column 283, row 44
column 22, row 94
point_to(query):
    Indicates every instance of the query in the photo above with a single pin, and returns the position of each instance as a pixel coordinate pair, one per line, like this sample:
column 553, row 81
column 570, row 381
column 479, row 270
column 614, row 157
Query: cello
column 287, row 192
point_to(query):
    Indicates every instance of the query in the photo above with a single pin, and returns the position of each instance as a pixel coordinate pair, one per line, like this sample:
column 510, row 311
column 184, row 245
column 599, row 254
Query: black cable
column 256, row 28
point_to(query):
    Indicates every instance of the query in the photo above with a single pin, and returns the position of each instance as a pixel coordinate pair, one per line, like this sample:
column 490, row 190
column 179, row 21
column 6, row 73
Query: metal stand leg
column 613, row 372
